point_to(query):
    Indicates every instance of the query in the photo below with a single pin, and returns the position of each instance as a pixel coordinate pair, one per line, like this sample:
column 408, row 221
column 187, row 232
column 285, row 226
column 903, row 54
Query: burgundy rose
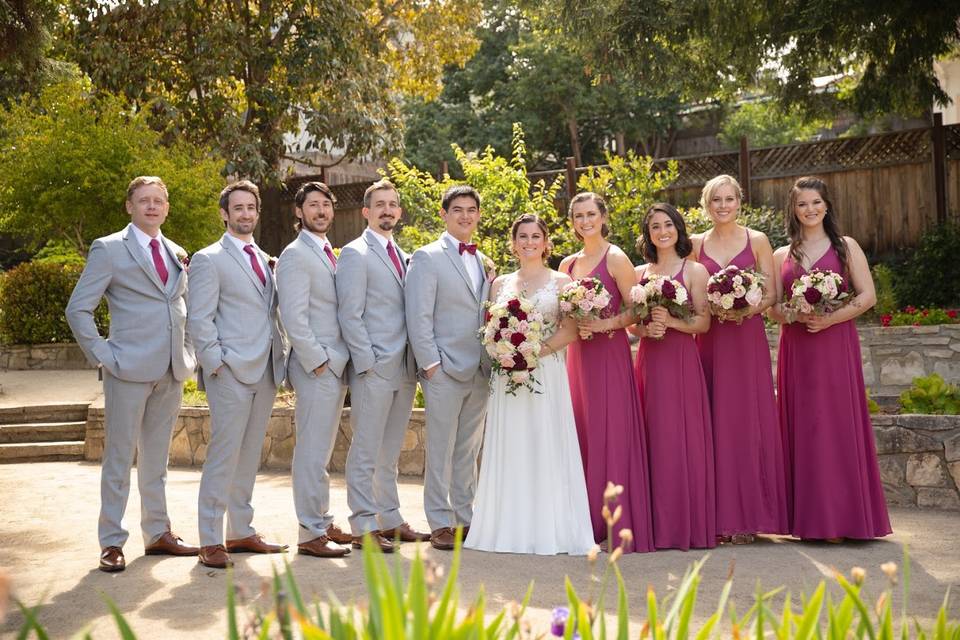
column 668, row 289
column 519, row 362
column 740, row 303
column 514, row 305
column 713, row 287
column 520, row 315
column 504, row 323
column 497, row 336
column 517, row 338
column 812, row 295
column 726, row 286
column 486, row 317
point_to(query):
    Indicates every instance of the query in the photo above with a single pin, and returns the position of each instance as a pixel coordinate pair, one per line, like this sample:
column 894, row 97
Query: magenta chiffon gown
column 747, row 439
column 679, row 441
column 610, row 425
column 834, row 488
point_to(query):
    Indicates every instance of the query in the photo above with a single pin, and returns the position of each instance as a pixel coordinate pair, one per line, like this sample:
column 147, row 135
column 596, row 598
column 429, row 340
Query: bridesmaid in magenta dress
column 674, row 395
column 602, row 385
column 834, row 483
column 747, row 440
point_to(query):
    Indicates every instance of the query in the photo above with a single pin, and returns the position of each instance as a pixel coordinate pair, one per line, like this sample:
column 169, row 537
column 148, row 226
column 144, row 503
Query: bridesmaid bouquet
column 732, row 291
column 817, row 292
column 584, row 299
column 512, row 336
column 655, row 290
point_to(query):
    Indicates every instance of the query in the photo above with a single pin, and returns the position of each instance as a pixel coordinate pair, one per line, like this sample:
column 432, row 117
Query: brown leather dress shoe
column 386, row 546
column 405, row 533
column 215, row 556
column 111, row 559
column 254, row 544
column 443, row 539
column 338, row 535
column 170, row 544
column 322, row 547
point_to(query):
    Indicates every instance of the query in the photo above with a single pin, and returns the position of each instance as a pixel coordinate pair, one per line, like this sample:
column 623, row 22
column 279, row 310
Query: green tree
column 766, row 124
column 505, row 191
column 24, row 39
column 242, row 76
column 66, row 157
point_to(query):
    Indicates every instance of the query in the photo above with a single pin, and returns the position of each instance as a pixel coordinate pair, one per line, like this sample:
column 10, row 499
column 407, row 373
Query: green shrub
column 193, row 397
column 883, row 282
column 59, row 252
column 930, row 276
column 872, row 405
column 931, row 395
column 33, row 297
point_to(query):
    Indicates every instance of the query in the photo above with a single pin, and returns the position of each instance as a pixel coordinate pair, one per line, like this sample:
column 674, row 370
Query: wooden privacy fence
column 887, row 188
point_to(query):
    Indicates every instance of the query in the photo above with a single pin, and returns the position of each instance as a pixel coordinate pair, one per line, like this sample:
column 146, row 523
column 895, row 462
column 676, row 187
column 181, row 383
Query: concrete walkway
column 48, row 545
column 24, row 388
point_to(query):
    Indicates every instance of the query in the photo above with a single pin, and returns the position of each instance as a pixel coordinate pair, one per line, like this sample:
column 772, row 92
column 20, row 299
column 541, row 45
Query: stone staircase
column 42, row 433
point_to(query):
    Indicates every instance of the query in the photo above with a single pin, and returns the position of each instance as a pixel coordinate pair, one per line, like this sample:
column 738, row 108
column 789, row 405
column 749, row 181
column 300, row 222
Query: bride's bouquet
column 584, row 299
column 817, row 292
column 657, row 290
column 513, row 336
column 732, row 291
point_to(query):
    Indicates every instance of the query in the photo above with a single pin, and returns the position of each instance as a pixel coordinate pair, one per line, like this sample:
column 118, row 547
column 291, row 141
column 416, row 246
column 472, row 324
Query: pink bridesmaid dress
column 747, row 439
column 610, row 424
column 679, row 440
column 833, row 481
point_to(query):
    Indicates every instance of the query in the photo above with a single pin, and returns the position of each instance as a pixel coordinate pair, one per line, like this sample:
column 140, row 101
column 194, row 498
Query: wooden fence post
column 939, row 167
column 745, row 169
column 571, row 178
column 444, row 169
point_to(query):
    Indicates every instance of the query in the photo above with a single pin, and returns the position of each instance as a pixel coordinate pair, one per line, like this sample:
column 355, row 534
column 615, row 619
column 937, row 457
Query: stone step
column 56, row 412
column 41, row 452
column 43, row 432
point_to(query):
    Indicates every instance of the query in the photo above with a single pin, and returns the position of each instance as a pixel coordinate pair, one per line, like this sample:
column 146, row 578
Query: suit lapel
column 270, row 287
column 484, row 282
column 237, row 255
column 378, row 249
column 136, row 252
column 315, row 248
column 173, row 283
column 454, row 254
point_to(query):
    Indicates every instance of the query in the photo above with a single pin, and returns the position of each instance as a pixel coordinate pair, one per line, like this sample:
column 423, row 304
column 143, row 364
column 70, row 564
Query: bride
column 532, row 496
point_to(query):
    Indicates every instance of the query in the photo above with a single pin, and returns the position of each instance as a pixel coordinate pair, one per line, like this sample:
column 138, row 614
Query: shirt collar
column 240, row 244
column 383, row 241
column 142, row 238
column 321, row 242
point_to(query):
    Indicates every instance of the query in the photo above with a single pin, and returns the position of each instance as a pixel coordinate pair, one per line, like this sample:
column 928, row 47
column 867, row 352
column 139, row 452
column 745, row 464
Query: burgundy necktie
column 255, row 264
column 158, row 261
column 333, row 259
column 469, row 248
column 396, row 260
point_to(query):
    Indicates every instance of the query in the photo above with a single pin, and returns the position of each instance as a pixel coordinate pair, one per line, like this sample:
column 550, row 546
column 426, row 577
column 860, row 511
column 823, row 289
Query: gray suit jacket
column 444, row 310
column 308, row 307
column 232, row 318
column 370, row 309
column 146, row 318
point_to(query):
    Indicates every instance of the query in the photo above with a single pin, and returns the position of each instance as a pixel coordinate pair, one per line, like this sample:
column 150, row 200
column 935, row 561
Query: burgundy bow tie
column 470, row 248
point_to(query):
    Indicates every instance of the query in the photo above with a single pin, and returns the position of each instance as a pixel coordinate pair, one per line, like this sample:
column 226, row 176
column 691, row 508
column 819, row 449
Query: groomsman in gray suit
column 315, row 368
column 382, row 371
column 233, row 322
column 446, row 287
column 143, row 361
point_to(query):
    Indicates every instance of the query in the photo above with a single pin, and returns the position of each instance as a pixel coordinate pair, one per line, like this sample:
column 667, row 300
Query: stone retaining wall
column 919, row 459
column 19, row 357
column 894, row 356
column 192, row 432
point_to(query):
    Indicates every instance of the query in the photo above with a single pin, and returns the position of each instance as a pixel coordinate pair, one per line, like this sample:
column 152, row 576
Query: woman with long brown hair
column 834, row 488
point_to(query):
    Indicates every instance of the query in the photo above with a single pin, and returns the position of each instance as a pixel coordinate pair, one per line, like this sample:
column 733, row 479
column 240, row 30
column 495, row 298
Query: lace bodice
column 545, row 299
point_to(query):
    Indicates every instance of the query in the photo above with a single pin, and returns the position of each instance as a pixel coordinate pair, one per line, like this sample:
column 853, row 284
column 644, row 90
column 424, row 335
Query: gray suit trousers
column 138, row 419
column 239, row 414
column 455, row 412
column 319, row 404
column 379, row 415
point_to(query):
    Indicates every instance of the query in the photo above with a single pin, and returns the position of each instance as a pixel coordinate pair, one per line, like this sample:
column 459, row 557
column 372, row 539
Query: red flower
column 497, row 336
column 886, row 319
column 486, row 316
column 504, row 323
column 668, row 289
column 952, row 313
column 725, row 287
column 519, row 363
column 517, row 338
column 812, row 295
column 520, row 315
column 514, row 305
column 925, row 313
column 909, row 309
column 740, row 303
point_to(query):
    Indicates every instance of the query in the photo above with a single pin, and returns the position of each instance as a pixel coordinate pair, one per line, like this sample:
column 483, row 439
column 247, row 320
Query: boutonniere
column 490, row 268
column 184, row 260
column 272, row 263
column 336, row 252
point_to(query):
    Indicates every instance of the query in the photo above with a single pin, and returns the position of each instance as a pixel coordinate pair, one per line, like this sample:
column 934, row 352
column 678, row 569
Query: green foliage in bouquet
column 629, row 185
column 505, row 192
column 33, row 296
column 931, row 395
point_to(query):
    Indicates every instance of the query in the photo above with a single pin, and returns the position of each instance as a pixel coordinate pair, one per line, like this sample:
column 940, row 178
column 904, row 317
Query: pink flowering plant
column 817, row 292
column 513, row 338
column 733, row 293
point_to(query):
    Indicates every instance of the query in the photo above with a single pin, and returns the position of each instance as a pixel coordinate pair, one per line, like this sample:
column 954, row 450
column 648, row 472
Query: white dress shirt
column 240, row 245
column 470, row 262
column 321, row 241
column 144, row 241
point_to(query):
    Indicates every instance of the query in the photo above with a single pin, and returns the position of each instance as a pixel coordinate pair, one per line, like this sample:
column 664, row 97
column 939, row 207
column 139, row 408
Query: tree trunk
column 574, row 130
column 276, row 219
column 621, row 139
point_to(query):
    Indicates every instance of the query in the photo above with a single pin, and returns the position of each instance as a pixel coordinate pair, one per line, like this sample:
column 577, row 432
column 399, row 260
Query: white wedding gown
column 532, row 496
